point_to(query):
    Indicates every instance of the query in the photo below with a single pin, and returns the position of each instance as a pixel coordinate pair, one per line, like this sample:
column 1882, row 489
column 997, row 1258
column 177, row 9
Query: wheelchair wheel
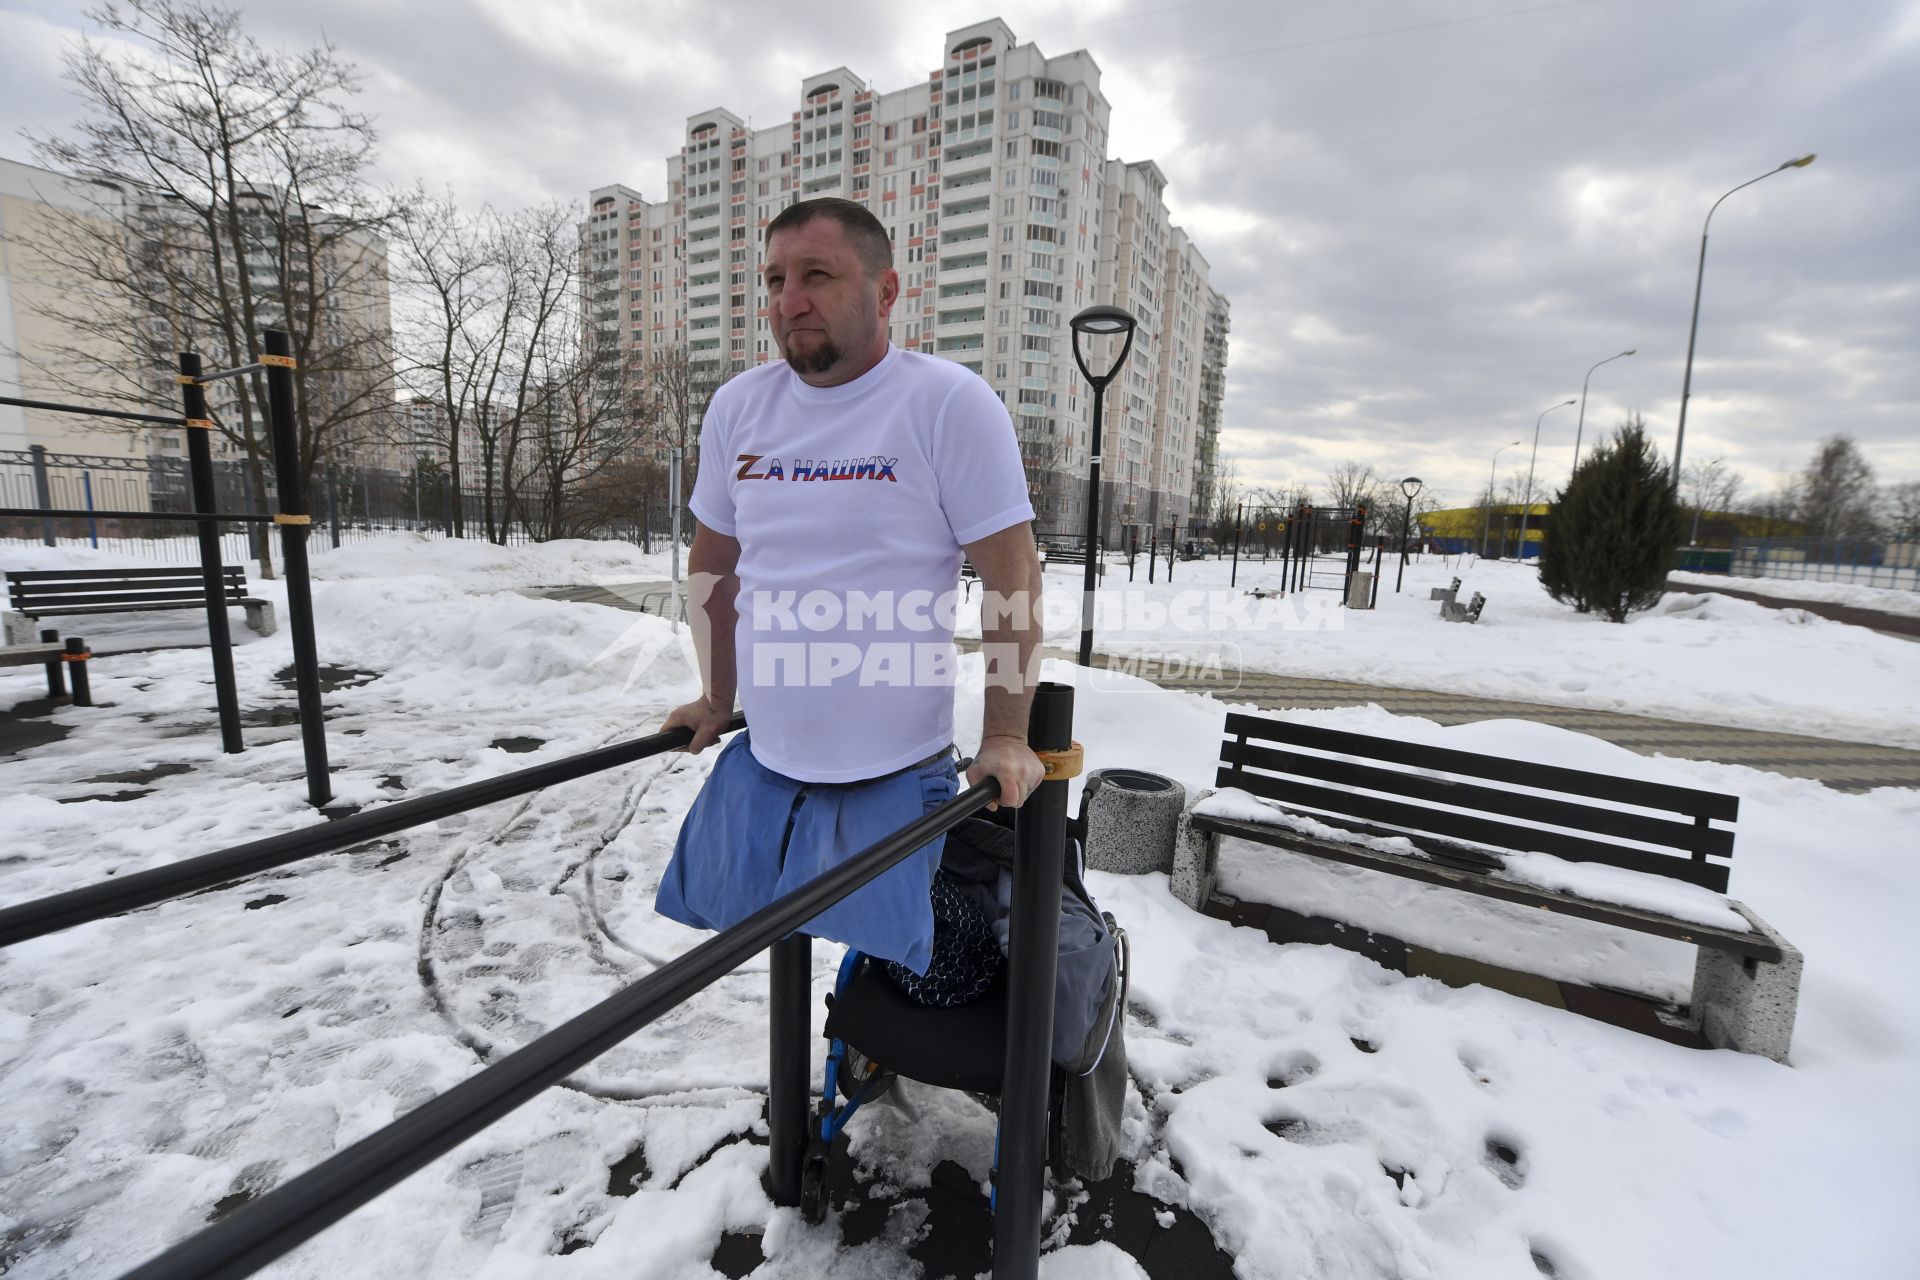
column 813, row 1183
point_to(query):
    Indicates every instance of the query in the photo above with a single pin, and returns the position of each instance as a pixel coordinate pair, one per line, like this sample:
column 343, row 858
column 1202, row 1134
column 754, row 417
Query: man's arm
column 712, row 590
column 1010, row 636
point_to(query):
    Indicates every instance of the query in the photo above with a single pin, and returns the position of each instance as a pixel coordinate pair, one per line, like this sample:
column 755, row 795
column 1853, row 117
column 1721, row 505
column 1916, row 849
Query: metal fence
column 350, row 504
column 1853, row 560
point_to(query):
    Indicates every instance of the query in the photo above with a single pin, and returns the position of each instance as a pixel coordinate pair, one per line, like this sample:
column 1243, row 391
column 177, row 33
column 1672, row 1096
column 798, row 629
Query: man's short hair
column 863, row 230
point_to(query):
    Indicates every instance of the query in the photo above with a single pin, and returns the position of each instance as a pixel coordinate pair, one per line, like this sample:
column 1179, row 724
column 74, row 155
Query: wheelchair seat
column 959, row 1048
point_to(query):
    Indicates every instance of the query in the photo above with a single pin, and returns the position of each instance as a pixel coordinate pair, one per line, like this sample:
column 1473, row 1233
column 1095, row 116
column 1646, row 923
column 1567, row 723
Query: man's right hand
column 705, row 716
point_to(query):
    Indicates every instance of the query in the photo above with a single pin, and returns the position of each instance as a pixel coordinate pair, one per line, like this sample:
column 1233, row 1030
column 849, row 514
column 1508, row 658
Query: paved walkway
column 1844, row 766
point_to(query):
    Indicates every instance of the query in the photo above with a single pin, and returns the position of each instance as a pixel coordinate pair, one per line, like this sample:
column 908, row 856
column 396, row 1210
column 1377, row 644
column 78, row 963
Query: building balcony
column 966, row 318
column 963, row 267
column 960, row 343
column 963, row 289
column 1046, row 134
column 969, row 219
column 963, row 235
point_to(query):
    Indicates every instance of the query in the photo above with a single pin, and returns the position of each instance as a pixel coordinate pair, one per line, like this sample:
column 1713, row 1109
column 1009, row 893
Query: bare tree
column 1834, row 495
column 678, row 389
column 1353, row 484
column 1711, row 485
column 1900, row 507
column 229, row 199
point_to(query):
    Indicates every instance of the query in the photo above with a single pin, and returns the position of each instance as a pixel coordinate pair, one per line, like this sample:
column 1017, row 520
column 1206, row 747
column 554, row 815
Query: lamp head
column 1410, row 486
column 1630, row 351
column 1801, row 163
column 1102, row 322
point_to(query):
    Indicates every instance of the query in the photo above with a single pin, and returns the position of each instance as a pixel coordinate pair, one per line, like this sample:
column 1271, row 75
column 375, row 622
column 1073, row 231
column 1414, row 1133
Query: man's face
column 828, row 314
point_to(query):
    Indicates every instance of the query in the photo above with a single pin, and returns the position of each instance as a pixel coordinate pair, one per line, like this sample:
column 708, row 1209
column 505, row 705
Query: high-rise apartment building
column 1007, row 218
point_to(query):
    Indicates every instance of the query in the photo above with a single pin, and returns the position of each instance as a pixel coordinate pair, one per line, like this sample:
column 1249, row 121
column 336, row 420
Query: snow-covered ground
column 1884, row 599
column 1706, row 658
column 1326, row 1117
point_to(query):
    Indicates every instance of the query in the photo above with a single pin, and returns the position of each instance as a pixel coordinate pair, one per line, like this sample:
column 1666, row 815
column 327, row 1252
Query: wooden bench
column 1464, row 814
column 66, row 593
column 1445, row 594
column 1453, row 611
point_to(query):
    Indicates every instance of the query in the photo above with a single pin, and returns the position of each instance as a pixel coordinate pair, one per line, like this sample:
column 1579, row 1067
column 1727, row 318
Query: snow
column 162, row 1063
column 1710, row 659
column 1592, row 880
column 1906, row 602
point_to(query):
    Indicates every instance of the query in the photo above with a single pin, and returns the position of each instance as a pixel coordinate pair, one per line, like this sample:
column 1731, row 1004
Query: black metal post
column 333, row 504
column 1040, row 827
column 1239, row 514
column 254, row 532
column 1173, row 546
column 93, row 526
column 42, row 492
column 56, row 668
column 1093, row 521
column 790, row 980
column 1153, row 553
column 193, row 397
column 1406, row 531
column 296, row 522
column 76, row 658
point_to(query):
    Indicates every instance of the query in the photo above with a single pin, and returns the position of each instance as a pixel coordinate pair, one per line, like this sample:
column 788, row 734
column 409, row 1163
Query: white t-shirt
column 851, row 504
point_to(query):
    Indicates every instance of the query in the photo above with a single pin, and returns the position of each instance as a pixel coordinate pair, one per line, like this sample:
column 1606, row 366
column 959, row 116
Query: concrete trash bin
column 1131, row 816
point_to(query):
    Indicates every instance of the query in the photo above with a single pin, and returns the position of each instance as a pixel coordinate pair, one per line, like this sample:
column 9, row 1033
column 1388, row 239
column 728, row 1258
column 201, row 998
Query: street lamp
column 1693, row 329
column 1486, row 525
column 1581, row 425
column 1100, row 322
column 1526, row 505
column 1410, row 486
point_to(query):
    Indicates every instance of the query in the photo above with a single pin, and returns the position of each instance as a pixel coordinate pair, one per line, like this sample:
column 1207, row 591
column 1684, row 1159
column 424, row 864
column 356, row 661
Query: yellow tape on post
column 281, row 517
column 204, row 424
column 280, row 362
column 1063, row 764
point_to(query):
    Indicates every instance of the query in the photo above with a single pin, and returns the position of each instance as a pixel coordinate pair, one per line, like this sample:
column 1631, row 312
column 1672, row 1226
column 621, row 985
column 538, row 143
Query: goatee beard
column 825, row 355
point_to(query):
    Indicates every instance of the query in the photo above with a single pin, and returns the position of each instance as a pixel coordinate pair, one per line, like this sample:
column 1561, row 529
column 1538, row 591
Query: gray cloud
column 1431, row 218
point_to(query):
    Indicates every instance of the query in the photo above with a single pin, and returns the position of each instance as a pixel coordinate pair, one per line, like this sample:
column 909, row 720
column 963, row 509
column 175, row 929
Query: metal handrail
column 144, row 888
column 266, row 1228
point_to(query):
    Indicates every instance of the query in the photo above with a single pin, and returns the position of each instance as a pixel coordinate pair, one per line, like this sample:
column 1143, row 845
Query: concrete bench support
column 1746, row 1004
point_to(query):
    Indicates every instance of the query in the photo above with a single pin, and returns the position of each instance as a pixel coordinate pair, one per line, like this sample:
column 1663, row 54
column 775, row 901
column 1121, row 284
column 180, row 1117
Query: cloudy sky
column 1431, row 216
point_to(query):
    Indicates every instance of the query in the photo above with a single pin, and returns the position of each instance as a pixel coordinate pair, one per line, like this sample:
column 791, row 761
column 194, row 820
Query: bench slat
column 109, row 575
column 109, row 603
column 1594, row 786
column 127, row 591
column 1504, row 835
column 1755, row 945
column 1512, row 804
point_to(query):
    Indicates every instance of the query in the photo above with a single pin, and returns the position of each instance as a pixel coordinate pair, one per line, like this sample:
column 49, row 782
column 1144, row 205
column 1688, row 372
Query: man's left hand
column 1013, row 763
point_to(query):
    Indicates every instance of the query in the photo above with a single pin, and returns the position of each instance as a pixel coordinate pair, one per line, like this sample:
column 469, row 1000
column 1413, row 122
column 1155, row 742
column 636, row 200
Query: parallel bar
column 264, row 1229
column 1033, row 945
column 1744, row 944
column 1597, row 786
column 219, row 638
column 51, row 407
column 293, row 563
column 81, row 513
column 789, row 1020
column 144, row 888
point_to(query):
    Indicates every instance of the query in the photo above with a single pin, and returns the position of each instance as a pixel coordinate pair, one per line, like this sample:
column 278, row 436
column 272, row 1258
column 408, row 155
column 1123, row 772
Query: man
column 836, row 496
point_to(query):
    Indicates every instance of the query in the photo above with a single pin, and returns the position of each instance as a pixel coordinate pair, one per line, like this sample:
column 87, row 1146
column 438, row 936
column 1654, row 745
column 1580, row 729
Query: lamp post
column 1098, row 322
column 1581, row 425
column 1693, row 328
column 1410, row 486
column 1526, row 504
column 1486, row 525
